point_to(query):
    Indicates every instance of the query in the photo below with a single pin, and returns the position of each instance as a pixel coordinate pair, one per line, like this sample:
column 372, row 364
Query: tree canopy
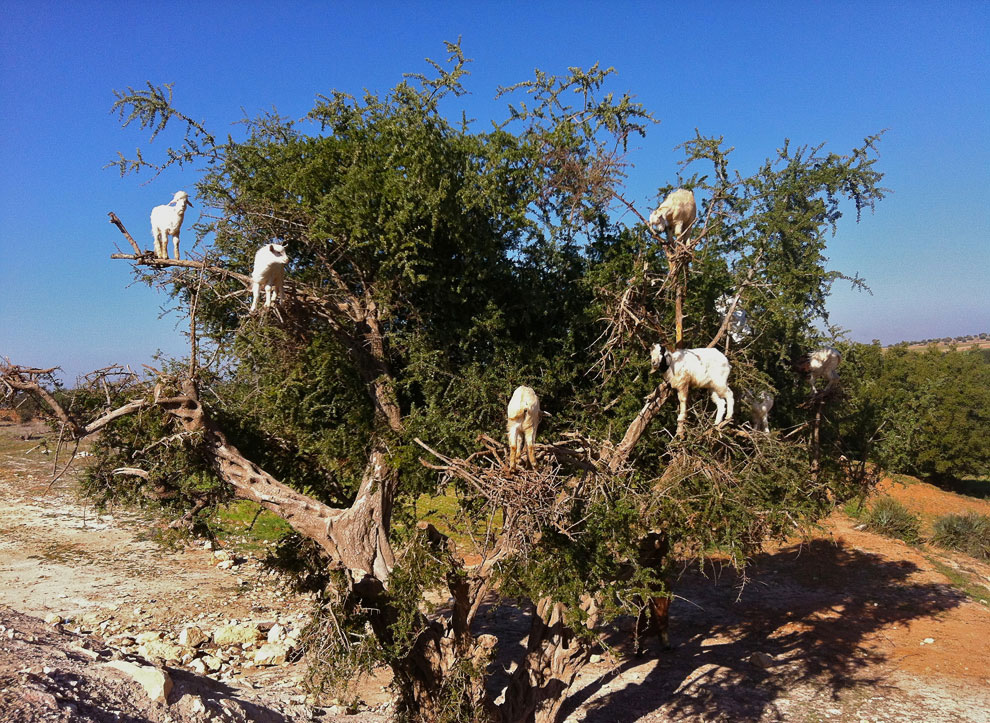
column 434, row 267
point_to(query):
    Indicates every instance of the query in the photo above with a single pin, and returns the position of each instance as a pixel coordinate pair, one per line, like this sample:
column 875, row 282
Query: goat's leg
column 255, row 292
column 719, row 407
column 268, row 296
column 175, row 245
column 682, row 398
column 530, row 439
column 513, row 450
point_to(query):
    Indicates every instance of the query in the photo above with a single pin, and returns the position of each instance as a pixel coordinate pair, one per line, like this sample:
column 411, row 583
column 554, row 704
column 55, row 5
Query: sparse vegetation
column 969, row 533
column 889, row 517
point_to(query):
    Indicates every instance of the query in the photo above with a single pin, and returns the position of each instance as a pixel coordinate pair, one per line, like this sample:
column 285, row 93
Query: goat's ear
column 271, row 247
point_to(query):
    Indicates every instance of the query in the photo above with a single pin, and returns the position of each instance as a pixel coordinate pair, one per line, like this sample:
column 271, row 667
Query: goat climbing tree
column 433, row 269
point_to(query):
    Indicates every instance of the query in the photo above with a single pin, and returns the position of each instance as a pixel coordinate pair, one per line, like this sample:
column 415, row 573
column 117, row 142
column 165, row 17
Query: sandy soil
column 847, row 626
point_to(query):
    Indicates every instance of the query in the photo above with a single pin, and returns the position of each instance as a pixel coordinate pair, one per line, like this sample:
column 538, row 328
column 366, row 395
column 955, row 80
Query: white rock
column 53, row 619
column 156, row 683
column 236, row 634
column 276, row 633
column 270, row 654
column 198, row 666
column 212, row 663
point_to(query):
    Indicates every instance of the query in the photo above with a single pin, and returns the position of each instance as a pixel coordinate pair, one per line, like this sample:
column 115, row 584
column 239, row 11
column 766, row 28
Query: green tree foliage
column 931, row 407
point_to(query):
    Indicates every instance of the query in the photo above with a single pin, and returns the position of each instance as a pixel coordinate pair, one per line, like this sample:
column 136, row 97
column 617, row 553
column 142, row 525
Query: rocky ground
column 98, row 623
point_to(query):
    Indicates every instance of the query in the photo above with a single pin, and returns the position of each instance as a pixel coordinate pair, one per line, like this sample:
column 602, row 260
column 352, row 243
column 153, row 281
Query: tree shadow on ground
column 812, row 608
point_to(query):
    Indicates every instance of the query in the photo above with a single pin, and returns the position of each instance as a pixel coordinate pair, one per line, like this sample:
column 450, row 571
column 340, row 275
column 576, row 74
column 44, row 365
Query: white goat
column 167, row 221
column 738, row 327
column 269, row 272
column 702, row 368
column 820, row 364
column 524, row 419
column 760, row 405
column 677, row 212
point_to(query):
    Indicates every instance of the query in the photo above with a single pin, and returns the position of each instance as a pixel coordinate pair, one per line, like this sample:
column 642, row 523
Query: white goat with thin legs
column 701, row 368
column 820, row 364
column 269, row 272
column 760, row 405
column 677, row 213
column 167, row 221
column 524, row 419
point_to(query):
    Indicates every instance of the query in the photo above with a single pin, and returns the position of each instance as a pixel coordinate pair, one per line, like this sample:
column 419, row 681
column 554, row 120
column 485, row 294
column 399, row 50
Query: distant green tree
column 434, row 268
column 932, row 407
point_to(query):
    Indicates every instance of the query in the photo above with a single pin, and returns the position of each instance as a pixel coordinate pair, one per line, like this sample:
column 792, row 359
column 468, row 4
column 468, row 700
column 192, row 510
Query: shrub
column 969, row 533
column 889, row 517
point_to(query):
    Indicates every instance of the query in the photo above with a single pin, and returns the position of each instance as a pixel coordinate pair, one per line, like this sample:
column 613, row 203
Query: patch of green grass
column 969, row 533
column 962, row 582
column 256, row 527
column 889, row 517
column 443, row 510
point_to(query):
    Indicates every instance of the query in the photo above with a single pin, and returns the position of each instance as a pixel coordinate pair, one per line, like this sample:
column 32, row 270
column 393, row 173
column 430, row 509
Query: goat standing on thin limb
column 524, row 419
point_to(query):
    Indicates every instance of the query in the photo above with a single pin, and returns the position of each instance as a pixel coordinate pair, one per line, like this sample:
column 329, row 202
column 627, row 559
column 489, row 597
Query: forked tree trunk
column 555, row 655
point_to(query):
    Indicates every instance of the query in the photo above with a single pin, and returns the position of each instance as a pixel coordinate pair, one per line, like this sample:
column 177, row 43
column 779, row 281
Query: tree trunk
column 555, row 656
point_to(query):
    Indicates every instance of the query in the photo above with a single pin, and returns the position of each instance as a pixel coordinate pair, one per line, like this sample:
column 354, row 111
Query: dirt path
column 848, row 626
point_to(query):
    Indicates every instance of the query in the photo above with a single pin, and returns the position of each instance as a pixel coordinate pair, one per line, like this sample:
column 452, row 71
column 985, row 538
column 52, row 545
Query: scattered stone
column 53, row 619
column 276, row 633
column 595, row 658
column 169, row 652
column 236, row 634
column 270, row 654
column 156, row 683
column 761, row 660
column 928, row 641
column 192, row 637
column 198, row 666
column 212, row 663
column 148, row 637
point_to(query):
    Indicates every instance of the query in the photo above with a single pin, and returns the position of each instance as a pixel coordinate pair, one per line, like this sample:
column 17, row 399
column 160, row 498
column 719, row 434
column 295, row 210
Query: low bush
column 969, row 533
column 889, row 517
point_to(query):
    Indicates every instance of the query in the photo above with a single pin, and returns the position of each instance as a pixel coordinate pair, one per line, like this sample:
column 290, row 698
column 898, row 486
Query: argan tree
column 434, row 267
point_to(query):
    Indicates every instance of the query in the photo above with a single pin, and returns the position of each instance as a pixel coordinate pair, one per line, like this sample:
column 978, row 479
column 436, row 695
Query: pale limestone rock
column 276, row 633
column 270, row 654
column 212, row 663
column 156, row 683
column 148, row 637
column 170, row 652
column 53, row 619
column 198, row 666
column 236, row 634
column 192, row 636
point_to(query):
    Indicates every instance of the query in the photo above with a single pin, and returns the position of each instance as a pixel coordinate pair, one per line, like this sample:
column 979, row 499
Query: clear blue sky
column 754, row 72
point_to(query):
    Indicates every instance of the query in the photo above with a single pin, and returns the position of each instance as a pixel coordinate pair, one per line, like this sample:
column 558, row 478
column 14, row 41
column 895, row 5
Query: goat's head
column 657, row 220
column 181, row 197
column 659, row 359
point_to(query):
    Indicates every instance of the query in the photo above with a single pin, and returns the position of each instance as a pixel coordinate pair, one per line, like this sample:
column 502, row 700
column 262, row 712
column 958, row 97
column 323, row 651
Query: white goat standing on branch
column 760, row 405
column 524, row 419
column 677, row 212
column 269, row 272
column 702, row 368
column 820, row 364
column 167, row 221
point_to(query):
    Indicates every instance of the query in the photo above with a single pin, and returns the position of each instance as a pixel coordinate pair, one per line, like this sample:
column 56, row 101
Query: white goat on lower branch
column 524, row 419
column 702, row 368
